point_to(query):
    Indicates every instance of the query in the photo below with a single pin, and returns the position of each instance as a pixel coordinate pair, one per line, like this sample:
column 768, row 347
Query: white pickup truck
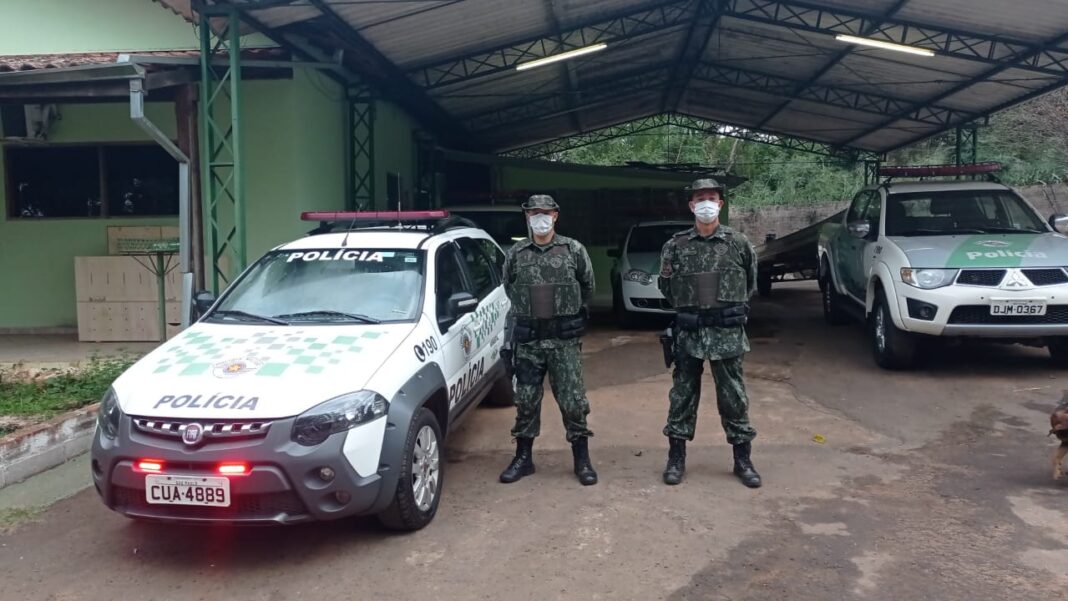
column 946, row 258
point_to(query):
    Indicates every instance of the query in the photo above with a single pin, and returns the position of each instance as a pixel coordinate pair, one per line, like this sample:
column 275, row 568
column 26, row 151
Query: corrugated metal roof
column 786, row 73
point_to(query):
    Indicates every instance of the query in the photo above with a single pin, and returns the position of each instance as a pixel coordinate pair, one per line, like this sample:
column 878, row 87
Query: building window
column 90, row 181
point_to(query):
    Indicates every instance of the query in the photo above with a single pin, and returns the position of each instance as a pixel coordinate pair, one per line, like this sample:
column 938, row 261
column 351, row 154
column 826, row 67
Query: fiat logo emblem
column 192, row 433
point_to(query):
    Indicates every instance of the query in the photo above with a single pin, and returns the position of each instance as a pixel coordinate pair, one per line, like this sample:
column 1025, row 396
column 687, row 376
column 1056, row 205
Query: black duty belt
column 725, row 317
column 528, row 329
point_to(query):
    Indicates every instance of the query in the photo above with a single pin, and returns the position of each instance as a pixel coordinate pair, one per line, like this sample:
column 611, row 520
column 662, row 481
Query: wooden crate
column 118, row 299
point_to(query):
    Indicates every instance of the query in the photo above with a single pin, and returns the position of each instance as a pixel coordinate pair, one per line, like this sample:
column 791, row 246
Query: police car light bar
column 373, row 215
column 936, row 170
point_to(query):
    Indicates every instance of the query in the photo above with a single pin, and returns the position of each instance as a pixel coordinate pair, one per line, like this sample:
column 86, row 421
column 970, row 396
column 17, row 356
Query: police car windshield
column 960, row 212
column 651, row 238
column 328, row 285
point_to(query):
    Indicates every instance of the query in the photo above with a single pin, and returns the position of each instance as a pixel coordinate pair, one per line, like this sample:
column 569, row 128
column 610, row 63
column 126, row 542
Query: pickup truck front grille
column 981, row 277
column 980, row 315
column 1046, row 277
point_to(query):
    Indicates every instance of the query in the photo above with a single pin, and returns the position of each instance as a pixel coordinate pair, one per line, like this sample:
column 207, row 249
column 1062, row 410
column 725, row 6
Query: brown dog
column 1058, row 423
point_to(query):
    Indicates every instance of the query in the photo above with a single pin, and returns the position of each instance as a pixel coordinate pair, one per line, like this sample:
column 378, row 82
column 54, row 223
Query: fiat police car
column 946, row 258
column 319, row 385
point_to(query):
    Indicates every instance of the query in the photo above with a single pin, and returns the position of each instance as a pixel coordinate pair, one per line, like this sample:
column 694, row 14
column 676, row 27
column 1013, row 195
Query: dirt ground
column 932, row 484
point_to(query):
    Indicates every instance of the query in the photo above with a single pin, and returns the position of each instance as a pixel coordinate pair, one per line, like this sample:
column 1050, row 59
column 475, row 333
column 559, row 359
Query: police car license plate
column 1006, row 308
column 187, row 490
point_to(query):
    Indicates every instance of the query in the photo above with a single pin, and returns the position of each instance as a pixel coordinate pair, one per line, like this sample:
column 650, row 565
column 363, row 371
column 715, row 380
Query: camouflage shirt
column 562, row 261
column 727, row 252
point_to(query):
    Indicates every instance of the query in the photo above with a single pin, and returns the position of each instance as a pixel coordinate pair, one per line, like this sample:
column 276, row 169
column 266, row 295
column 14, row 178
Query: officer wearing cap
column 549, row 280
column 708, row 274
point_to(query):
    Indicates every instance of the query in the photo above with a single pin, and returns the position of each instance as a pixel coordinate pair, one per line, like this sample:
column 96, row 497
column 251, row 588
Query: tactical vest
column 547, row 279
column 706, row 279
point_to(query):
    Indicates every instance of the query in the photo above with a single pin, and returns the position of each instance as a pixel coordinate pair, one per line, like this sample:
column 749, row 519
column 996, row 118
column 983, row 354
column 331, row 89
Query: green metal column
column 222, row 173
column 967, row 150
column 871, row 171
column 362, row 146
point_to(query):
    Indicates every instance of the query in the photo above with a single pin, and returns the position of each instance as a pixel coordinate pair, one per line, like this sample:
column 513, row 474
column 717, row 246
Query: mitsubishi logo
column 192, row 433
column 1016, row 280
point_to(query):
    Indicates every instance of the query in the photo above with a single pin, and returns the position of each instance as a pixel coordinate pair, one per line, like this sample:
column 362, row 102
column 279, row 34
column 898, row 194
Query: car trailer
column 792, row 257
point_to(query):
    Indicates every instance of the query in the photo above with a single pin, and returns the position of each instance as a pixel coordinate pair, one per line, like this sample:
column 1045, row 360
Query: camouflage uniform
column 729, row 254
column 563, row 262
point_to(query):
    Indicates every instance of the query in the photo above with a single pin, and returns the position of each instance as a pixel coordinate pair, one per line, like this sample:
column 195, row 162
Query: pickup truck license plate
column 1007, row 308
column 187, row 490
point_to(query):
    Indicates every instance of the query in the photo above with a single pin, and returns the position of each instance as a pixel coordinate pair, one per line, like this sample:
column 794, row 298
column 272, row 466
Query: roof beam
column 650, row 19
column 691, row 51
column 837, row 58
column 642, row 79
column 877, row 104
column 1048, row 59
column 565, row 143
column 567, row 70
column 388, row 78
column 989, row 73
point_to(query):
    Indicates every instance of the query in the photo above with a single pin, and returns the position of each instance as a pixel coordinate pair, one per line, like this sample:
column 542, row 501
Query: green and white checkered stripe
column 195, row 353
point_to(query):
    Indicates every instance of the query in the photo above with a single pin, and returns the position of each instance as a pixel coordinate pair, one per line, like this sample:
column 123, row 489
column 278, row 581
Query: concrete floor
column 60, row 349
column 933, row 484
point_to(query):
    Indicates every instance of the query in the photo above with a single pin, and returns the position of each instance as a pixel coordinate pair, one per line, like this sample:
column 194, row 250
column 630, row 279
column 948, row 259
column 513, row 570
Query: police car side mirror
column 202, row 301
column 1059, row 222
column 859, row 228
column 462, row 303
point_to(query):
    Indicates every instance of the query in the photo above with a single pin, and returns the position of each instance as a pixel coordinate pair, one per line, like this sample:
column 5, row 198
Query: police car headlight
column 928, row 279
column 339, row 414
column 107, row 418
column 637, row 275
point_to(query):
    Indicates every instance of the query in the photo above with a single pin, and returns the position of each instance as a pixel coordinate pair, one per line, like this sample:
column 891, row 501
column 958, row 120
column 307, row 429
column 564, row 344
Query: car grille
column 242, row 507
column 981, row 277
column 1046, row 277
column 226, row 430
column 980, row 315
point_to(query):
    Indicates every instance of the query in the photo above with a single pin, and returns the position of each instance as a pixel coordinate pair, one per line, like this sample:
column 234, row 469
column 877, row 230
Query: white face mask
column 541, row 224
column 706, row 211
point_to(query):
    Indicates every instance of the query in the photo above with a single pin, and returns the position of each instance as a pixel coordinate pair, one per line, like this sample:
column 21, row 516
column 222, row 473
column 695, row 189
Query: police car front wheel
column 422, row 475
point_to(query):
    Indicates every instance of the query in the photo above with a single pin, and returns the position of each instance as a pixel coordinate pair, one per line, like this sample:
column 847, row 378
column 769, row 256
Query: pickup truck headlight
column 637, row 275
column 107, row 417
column 928, row 279
column 338, row 414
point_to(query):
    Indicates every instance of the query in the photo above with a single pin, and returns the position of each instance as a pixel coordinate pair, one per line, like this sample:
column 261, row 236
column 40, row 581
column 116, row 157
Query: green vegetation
column 46, row 396
column 1030, row 140
column 13, row 517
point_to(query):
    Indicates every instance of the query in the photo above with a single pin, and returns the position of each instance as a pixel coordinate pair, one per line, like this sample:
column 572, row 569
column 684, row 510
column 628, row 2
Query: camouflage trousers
column 685, row 395
column 564, row 366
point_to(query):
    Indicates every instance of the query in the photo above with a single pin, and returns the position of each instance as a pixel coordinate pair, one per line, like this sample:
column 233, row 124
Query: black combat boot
column 743, row 465
column 523, row 464
column 583, row 469
column 676, row 464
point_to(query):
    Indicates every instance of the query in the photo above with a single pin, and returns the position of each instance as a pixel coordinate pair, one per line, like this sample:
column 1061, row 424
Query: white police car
column 320, row 385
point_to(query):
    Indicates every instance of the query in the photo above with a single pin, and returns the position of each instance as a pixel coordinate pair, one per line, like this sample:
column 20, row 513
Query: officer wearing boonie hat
column 540, row 201
column 708, row 273
column 549, row 280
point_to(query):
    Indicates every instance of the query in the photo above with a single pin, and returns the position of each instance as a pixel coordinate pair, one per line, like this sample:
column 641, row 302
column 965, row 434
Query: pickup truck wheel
column 893, row 348
column 502, row 394
column 421, row 476
column 1058, row 351
column 833, row 313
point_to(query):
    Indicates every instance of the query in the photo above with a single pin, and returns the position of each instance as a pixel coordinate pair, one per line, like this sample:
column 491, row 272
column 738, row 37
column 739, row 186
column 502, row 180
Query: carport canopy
column 762, row 67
